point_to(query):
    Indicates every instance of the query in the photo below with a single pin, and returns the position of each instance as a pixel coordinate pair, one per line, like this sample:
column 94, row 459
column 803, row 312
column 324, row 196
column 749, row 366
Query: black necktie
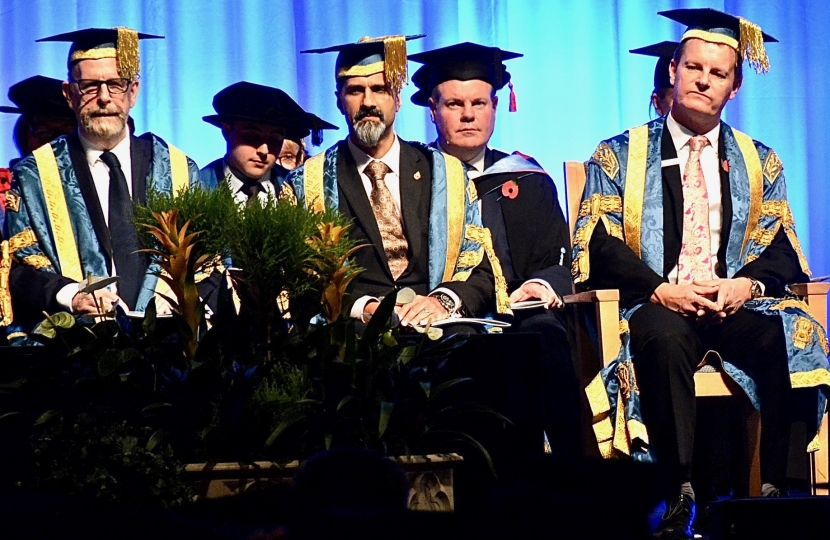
column 128, row 264
column 251, row 188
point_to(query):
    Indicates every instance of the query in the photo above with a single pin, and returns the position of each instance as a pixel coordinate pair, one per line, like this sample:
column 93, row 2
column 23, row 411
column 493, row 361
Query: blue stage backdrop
column 576, row 84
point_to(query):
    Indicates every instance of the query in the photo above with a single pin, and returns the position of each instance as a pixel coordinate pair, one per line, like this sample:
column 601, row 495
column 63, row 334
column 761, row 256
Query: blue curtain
column 577, row 83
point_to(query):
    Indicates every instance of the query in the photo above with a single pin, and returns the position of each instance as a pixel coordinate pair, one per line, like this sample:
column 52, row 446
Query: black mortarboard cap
column 463, row 62
column 120, row 43
column 38, row 96
column 369, row 55
column 716, row 26
column 664, row 51
column 315, row 125
column 257, row 103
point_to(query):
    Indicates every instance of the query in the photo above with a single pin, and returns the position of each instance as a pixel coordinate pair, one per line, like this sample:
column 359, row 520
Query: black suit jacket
column 32, row 293
column 614, row 265
column 476, row 293
column 535, row 227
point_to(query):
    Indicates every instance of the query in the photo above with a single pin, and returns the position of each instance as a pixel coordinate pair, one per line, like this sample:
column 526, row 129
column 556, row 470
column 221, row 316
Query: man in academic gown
column 689, row 219
column 519, row 206
column 414, row 205
column 69, row 211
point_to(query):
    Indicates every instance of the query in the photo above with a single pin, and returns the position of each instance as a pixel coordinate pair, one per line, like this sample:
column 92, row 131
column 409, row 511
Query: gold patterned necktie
column 695, row 262
column 388, row 218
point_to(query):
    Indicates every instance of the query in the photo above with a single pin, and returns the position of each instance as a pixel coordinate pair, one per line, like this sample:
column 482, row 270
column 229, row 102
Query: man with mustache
column 520, row 207
column 414, row 205
column 689, row 219
column 255, row 121
column 69, row 212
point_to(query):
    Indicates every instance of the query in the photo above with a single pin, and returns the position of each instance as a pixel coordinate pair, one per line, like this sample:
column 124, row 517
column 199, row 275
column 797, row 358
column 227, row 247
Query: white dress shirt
column 101, row 178
column 392, row 159
column 239, row 196
column 711, row 173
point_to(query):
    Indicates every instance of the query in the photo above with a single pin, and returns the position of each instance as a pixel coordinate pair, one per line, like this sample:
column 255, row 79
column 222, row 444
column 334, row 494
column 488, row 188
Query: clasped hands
column 708, row 301
column 420, row 311
column 105, row 300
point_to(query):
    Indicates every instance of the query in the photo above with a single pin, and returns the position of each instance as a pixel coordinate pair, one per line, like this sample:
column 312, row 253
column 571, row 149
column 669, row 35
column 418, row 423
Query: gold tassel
column 751, row 46
column 394, row 59
column 126, row 53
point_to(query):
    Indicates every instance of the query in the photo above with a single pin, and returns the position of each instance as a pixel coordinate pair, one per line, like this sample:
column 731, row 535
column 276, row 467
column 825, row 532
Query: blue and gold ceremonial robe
column 625, row 193
column 49, row 224
column 448, row 245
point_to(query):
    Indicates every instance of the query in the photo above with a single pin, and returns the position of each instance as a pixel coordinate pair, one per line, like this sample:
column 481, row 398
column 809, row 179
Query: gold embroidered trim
column 756, row 182
column 601, row 422
column 711, row 37
column 815, row 444
column 15, row 335
column 821, row 334
column 597, row 396
column 635, row 186
column 600, row 204
column 5, row 293
column 621, row 441
column 93, row 54
column 471, row 258
column 287, row 194
column 763, row 236
column 360, row 71
column 604, row 429
column 472, row 192
column 481, row 235
column 624, row 377
column 61, row 226
column 791, row 303
column 802, row 260
column 637, row 430
column 802, row 333
column 808, row 379
column 772, row 166
column 781, row 211
column 179, row 171
column 606, row 159
column 38, row 261
column 751, row 257
column 313, row 183
column 613, row 229
column 23, row 239
column 456, row 183
column 12, row 201
column 624, row 329
column 461, row 276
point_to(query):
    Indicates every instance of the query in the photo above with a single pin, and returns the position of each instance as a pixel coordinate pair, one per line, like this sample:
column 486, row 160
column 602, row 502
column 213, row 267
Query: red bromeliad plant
column 178, row 269
column 336, row 273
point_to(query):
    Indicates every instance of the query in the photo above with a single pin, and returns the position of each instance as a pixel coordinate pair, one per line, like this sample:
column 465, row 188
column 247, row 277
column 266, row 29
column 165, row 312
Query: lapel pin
column 417, row 175
column 725, row 165
column 510, row 189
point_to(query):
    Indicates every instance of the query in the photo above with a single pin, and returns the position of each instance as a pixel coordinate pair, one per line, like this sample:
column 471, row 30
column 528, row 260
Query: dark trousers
column 560, row 389
column 667, row 348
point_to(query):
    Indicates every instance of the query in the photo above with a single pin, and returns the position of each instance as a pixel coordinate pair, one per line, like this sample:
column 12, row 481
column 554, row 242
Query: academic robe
column 448, row 246
column 628, row 236
column 55, row 222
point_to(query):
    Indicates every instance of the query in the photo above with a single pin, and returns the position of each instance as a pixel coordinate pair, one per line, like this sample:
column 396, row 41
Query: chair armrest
column 607, row 302
column 815, row 296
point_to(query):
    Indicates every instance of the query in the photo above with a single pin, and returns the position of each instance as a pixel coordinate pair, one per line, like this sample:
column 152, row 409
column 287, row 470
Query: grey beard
column 369, row 132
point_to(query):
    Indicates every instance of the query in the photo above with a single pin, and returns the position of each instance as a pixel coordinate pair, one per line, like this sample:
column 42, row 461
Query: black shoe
column 677, row 519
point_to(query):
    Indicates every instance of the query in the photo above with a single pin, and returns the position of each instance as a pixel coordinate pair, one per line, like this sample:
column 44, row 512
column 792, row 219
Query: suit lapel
column 350, row 184
column 87, row 186
column 414, row 196
column 672, row 205
column 141, row 154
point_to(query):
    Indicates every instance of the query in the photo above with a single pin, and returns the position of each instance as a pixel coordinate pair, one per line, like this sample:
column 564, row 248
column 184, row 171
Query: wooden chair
column 708, row 382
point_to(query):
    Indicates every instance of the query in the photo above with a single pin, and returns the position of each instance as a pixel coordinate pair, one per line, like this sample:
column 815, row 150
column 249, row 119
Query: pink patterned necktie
column 389, row 220
column 695, row 263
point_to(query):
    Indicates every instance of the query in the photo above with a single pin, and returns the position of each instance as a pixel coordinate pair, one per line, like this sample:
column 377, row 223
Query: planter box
column 431, row 477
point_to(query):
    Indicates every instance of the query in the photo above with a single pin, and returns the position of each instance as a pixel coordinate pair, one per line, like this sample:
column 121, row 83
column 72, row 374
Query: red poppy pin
column 725, row 165
column 417, row 175
column 510, row 189
column 5, row 180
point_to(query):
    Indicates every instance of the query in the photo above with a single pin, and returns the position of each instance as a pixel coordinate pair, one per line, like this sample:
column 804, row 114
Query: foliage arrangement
column 122, row 403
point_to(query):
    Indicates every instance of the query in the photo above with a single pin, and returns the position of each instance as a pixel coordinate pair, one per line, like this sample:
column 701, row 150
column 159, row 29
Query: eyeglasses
column 88, row 87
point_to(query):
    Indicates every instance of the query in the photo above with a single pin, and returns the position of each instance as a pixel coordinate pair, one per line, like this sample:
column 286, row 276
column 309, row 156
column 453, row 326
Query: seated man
column 520, row 207
column 254, row 120
column 689, row 218
column 414, row 205
column 69, row 212
column 44, row 113
column 663, row 93
column 293, row 152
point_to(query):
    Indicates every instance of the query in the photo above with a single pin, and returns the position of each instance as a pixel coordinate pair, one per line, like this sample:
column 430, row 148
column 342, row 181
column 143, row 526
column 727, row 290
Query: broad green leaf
column 154, row 407
column 343, row 402
column 45, row 417
column 109, row 363
column 155, row 439
column 407, row 353
column 425, row 386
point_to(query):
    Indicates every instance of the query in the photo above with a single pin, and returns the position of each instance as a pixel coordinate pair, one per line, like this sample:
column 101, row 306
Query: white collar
column 93, row 154
column 392, row 158
column 680, row 134
column 476, row 163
